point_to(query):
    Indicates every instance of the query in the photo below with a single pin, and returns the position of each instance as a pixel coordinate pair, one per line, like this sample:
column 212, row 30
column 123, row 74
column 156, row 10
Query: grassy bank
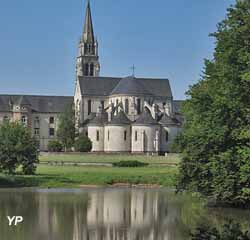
column 108, row 158
column 67, row 176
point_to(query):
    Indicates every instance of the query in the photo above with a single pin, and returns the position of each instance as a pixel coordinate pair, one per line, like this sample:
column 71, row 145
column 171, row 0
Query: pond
column 106, row 214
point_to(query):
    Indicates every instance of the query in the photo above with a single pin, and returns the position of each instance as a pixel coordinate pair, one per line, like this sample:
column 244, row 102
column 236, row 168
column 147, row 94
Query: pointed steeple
column 88, row 32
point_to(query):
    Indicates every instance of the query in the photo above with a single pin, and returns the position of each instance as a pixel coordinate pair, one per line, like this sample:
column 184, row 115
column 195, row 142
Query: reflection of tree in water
column 103, row 214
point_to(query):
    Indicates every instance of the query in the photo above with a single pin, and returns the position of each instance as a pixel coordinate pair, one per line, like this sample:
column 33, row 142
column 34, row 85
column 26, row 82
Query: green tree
column 55, row 146
column 66, row 127
column 83, row 144
column 216, row 137
column 17, row 148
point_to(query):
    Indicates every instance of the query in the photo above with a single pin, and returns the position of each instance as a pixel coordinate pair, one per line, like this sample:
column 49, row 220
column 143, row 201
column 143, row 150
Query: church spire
column 88, row 59
column 88, row 32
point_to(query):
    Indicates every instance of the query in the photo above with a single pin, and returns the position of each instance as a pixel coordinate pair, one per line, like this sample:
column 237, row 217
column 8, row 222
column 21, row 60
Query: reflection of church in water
column 116, row 215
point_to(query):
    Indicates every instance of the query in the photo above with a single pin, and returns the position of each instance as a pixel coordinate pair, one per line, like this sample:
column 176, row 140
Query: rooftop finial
column 133, row 70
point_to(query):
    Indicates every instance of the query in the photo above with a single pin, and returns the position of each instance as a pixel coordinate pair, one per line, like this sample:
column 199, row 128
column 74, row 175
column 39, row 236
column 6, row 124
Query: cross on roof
column 133, row 69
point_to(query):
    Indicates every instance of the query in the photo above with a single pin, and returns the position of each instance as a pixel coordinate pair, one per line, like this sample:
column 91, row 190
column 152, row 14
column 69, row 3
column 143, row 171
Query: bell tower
column 88, row 59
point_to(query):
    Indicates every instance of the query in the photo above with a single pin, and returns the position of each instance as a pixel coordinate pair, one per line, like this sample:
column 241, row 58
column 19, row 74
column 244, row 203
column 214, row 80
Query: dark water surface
column 106, row 214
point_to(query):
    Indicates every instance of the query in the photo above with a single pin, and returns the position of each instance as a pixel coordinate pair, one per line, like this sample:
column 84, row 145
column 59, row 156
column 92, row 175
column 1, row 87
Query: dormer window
column 51, row 120
column 37, row 121
column 24, row 119
column 5, row 118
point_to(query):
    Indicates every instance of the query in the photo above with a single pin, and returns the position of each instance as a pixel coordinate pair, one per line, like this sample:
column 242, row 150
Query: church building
column 118, row 114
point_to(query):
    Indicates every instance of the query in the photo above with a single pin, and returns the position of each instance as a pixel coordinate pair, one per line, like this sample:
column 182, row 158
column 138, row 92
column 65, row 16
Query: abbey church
column 128, row 114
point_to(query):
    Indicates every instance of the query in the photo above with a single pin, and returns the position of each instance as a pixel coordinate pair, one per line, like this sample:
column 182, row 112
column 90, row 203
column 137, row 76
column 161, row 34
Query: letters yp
column 14, row 220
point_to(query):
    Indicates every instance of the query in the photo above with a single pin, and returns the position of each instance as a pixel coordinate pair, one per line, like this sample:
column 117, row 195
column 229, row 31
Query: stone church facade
column 127, row 114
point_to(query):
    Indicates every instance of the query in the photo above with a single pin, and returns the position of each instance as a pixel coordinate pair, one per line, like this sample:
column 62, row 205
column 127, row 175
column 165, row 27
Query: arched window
column 138, row 106
column 125, row 135
column 89, row 107
column 97, row 135
column 86, row 69
column 166, row 136
column 126, row 106
column 117, row 102
column 91, row 69
column 136, row 136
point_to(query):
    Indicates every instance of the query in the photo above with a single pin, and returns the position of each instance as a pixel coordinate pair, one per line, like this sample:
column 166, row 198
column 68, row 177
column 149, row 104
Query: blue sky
column 163, row 38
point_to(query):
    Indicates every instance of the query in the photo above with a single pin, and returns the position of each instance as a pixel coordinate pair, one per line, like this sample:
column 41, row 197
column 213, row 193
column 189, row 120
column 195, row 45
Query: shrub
column 229, row 231
column 17, row 148
column 55, row 146
column 83, row 144
column 129, row 164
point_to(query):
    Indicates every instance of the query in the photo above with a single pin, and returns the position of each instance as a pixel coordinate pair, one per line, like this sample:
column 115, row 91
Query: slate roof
column 104, row 86
column 41, row 104
column 99, row 120
column 130, row 86
column 145, row 119
column 166, row 120
column 120, row 119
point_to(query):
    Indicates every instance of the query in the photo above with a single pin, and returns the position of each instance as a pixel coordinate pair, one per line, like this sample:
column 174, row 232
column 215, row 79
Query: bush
column 129, row 164
column 55, row 146
column 83, row 144
column 17, row 148
column 229, row 231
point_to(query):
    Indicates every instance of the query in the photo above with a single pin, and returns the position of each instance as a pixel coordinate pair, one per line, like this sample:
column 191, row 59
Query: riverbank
column 75, row 176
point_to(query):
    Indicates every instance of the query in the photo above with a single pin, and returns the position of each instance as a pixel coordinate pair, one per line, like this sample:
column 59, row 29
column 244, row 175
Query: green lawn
column 108, row 158
column 71, row 176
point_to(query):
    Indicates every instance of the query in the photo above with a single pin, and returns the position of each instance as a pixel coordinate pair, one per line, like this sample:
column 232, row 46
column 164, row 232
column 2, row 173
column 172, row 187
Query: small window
column 136, row 136
column 166, row 136
column 36, row 131
column 125, row 135
column 51, row 120
column 108, row 135
column 97, row 135
column 24, row 119
column 51, row 132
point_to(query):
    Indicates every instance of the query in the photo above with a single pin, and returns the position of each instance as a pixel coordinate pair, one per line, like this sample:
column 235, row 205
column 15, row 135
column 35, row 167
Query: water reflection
column 102, row 214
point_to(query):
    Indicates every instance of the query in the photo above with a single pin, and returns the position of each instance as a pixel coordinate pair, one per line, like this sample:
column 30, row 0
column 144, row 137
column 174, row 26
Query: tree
column 66, row 128
column 55, row 146
column 216, row 137
column 83, row 144
column 17, row 148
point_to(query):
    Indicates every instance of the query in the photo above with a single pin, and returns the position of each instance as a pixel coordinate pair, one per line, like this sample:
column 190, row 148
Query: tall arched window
column 138, row 106
column 125, row 135
column 86, row 69
column 126, row 106
column 166, row 136
column 89, row 107
column 91, row 69
column 97, row 135
column 136, row 136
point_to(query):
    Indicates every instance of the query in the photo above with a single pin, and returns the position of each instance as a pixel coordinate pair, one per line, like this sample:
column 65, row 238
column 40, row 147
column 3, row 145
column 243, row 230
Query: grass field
column 77, row 176
column 108, row 158
column 70, row 176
